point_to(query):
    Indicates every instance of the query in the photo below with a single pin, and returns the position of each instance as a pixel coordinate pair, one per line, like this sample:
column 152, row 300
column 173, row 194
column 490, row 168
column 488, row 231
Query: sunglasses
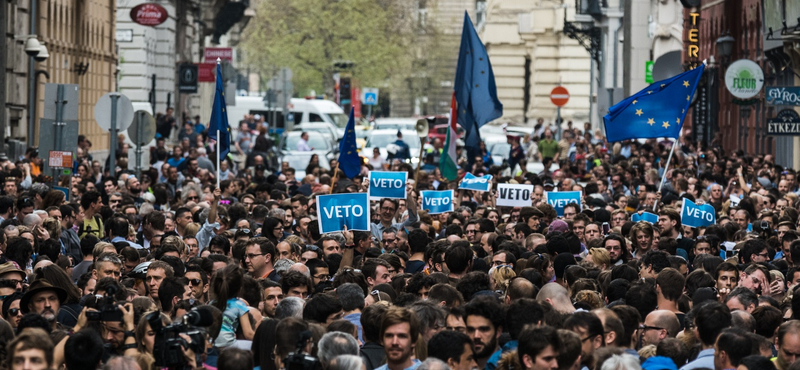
column 14, row 311
column 195, row 282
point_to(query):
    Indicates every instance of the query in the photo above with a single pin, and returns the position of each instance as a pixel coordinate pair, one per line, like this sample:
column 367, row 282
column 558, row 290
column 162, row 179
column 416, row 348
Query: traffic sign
column 559, row 96
column 148, row 123
column 369, row 96
column 102, row 112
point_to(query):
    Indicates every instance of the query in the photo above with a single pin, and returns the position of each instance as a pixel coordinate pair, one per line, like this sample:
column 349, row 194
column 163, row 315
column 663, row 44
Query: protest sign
column 472, row 182
column 694, row 215
column 511, row 195
column 436, row 202
column 648, row 217
column 559, row 199
column 339, row 210
column 383, row 184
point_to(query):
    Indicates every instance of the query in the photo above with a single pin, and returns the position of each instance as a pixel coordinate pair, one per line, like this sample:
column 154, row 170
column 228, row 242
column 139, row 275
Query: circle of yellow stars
column 665, row 124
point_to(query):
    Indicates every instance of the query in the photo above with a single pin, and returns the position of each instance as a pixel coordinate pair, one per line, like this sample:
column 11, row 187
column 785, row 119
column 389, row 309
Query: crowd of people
column 169, row 270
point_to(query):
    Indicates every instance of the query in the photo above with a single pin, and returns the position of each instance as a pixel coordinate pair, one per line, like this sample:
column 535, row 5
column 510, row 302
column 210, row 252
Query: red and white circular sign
column 149, row 14
column 559, row 96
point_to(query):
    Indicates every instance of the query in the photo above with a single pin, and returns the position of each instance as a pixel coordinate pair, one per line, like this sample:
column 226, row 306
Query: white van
column 300, row 111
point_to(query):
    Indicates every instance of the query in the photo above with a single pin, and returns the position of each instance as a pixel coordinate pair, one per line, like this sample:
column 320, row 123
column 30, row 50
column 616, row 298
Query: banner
column 694, row 215
column 336, row 211
column 472, row 182
column 384, row 184
column 436, row 202
column 510, row 195
column 648, row 217
column 559, row 199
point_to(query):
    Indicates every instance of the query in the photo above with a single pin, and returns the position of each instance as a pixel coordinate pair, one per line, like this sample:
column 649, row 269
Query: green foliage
column 308, row 36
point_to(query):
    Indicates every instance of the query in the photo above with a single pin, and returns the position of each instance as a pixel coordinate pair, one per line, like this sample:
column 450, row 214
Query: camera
column 299, row 360
column 107, row 309
column 168, row 345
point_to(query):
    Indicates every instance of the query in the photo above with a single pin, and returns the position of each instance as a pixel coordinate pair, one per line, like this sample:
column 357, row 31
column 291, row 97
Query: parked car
column 298, row 160
column 383, row 138
column 325, row 129
column 395, row 124
column 439, row 131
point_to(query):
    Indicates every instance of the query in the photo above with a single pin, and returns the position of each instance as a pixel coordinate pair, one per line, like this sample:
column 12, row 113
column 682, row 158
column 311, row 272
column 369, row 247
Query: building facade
column 531, row 55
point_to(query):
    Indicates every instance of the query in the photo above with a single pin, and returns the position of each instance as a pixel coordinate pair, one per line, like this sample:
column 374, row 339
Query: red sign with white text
column 211, row 54
column 149, row 14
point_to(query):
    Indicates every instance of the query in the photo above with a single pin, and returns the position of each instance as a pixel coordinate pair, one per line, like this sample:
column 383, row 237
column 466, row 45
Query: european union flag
column 657, row 111
column 349, row 161
column 476, row 92
column 219, row 118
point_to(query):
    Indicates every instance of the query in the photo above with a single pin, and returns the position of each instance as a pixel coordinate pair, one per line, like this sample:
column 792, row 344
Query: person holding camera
column 118, row 334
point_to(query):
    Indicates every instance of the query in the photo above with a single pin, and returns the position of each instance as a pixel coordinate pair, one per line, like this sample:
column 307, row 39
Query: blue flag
column 219, row 118
column 349, row 161
column 476, row 92
column 648, row 217
column 657, row 111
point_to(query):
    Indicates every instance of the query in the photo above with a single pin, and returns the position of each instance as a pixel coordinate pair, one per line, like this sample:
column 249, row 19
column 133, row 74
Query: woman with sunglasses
column 11, row 311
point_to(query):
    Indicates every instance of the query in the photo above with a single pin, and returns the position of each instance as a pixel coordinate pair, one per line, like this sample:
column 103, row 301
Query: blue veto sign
column 559, row 200
column 337, row 211
column 384, row 184
column 648, row 217
column 694, row 215
column 472, row 182
column 436, row 202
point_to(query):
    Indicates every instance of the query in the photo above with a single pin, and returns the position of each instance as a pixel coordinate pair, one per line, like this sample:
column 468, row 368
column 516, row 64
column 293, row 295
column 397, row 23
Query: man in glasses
column 659, row 325
column 198, row 282
column 114, row 201
column 473, row 231
column 387, row 210
column 153, row 225
column 69, row 238
column 258, row 259
column 591, row 332
column 754, row 250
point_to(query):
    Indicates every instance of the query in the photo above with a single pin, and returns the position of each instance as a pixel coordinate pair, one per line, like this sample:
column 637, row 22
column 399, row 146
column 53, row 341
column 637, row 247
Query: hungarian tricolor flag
column 447, row 164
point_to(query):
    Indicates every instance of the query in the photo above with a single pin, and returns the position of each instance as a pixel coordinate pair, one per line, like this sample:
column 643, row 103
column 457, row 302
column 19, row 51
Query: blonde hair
column 501, row 276
column 591, row 298
column 600, row 257
column 191, row 230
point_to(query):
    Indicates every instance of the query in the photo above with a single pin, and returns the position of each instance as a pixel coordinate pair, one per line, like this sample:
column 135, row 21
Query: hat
column 558, row 225
column 40, row 285
column 659, row 363
column 670, row 197
column 549, row 182
column 9, row 267
column 561, row 262
column 765, row 183
column 601, row 215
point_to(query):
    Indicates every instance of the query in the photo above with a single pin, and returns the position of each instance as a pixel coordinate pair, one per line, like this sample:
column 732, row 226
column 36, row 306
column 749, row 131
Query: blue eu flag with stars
column 475, row 89
column 349, row 161
column 657, row 111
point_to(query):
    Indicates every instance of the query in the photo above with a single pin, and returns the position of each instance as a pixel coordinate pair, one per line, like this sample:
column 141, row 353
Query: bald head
column 664, row 319
column 520, row 288
column 557, row 296
column 301, row 268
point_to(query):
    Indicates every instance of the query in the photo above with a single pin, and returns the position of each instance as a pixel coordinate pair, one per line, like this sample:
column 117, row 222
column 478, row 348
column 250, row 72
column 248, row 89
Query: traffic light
column 344, row 91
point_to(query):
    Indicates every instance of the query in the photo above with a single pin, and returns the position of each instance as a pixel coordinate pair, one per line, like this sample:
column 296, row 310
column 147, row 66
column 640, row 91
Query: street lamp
column 725, row 45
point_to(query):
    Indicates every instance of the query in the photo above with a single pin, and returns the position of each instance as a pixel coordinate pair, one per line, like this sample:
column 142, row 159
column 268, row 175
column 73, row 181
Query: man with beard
column 43, row 299
column 539, row 348
column 484, row 320
column 617, row 248
column 135, row 190
column 454, row 348
column 669, row 221
column 399, row 333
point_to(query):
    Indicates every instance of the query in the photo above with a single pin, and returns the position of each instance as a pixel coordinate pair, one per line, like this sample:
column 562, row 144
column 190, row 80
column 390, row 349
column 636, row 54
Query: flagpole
column 335, row 175
column 666, row 168
column 218, row 138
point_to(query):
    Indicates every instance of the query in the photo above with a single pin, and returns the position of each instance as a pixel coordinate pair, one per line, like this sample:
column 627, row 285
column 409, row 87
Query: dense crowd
column 167, row 270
